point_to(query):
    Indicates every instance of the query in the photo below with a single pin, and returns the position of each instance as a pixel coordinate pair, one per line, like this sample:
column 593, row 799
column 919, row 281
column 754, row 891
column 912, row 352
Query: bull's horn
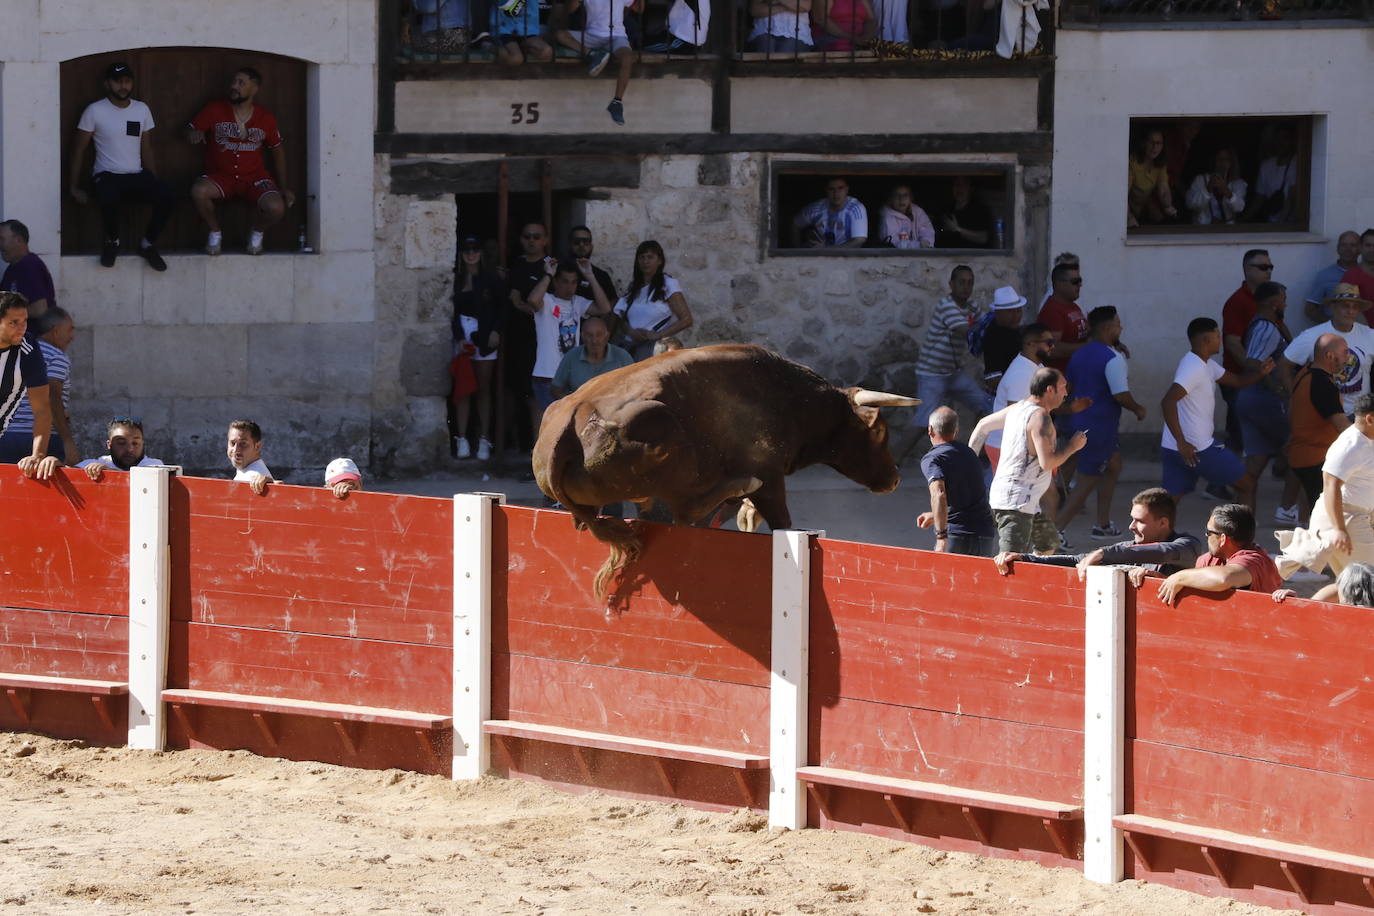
column 865, row 398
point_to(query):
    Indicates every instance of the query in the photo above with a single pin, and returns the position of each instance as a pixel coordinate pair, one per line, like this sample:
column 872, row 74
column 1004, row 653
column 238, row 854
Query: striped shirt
column 59, row 370
column 21, row 367
column 835, row 228
column 946, row 342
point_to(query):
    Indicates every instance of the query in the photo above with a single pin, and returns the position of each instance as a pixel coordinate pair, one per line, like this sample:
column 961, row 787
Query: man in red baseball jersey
column 235, row 131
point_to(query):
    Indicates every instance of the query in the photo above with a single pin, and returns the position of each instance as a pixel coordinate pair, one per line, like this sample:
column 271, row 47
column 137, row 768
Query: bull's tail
column 625, row 547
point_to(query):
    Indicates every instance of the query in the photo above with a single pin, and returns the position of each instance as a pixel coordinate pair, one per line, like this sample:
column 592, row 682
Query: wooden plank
column 1294, row 853
column 323, row 669
column 948, row 633
column 1104, row 723
column 945, row 747
column 64, row 644
column 373, row 566
column 1251, row 797
column 373, row 715
column 664, row 614
column 656, row 707
column 788, row 707
column 929, row 791
column 1249, row 677
column 66, row 684
column 580, row 738
column 75, row 552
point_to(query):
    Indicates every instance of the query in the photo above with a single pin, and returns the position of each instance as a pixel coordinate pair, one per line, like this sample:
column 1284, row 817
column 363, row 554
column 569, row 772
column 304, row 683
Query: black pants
column 112, row 190
column 1311, row 480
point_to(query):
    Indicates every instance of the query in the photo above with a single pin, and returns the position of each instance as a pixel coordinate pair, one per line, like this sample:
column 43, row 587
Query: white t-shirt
column 109, row 463
column 683, row 23
column 118, row 133
column 1014, row 386
column 646, row 315
column 1196, row 411
column 557, row 329
column 606, row 18
column 1351, row 458
column 1352, row 379
column 257, row 467
column 784, row 24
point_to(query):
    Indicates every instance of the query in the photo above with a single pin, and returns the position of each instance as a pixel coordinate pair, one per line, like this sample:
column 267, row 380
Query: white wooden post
column 1104, row 722
column 149, row 603
column 788, row 693
column 472, row 575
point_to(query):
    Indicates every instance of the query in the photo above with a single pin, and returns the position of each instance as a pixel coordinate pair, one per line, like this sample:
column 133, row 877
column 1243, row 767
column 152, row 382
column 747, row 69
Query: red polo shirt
column 1067, row 320
column 1264, row 575
column 1236, row 316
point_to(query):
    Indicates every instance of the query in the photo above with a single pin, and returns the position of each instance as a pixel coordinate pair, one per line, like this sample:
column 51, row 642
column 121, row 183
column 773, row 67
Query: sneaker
column 255, row 243
column 149, row 254
column 483, row 450
column 214, row 244
column 1064, row 543
column 108, row 252
column 513, row 7
column 464, row 449
column 1107, row 532
column 1286, row 515
column 617, row 110
column 596, row 61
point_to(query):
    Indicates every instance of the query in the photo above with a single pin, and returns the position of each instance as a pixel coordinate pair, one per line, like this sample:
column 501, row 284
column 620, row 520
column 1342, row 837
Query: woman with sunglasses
column 654, row 306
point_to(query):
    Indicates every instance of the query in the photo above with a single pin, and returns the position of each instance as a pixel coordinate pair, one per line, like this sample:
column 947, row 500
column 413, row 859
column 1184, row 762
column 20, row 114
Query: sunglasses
column 1078, row 281
column 532, row 237
column 1265, row 267
column 1219, row 534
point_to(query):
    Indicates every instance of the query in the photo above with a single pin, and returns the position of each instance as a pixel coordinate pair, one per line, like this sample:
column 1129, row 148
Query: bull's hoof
column 748, row 518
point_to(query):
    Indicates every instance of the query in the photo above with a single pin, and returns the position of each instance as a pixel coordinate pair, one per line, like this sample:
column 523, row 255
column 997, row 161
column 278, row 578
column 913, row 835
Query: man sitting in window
column 835, row 221
column 234, row 131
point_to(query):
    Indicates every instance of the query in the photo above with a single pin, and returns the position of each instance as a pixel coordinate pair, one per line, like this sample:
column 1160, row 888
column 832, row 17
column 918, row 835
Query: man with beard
column 124, row 439
column 124, row 170
column 234, row 131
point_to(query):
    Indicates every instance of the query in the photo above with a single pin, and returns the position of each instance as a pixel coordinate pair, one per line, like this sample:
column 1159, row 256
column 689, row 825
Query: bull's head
column 864, row 457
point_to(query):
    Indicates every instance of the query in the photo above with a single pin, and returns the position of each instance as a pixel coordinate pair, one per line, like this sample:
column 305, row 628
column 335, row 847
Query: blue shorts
column 1103, row 443
column 1216, row 464
column 1264, row 427
column 543, row 392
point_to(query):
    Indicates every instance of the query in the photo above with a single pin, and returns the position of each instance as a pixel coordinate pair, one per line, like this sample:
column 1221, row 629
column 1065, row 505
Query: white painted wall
column 1104, row 78
column 202, row 306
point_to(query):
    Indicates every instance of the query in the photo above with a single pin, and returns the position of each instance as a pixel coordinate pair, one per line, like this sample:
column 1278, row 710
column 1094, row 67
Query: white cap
column 341, row 469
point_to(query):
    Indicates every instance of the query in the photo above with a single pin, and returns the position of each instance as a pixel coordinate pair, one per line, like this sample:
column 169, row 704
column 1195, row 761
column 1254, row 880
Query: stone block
column 744, row 169
column 839, row 281
column 82, row 355
column 431, row 233
column 411, row 437
column 334, row 287
column 163, row 361
column 397, row 289
column 616, row 224
column 311, row 360
column 424, row 364
column 667, row 210
column 242, row 289
column 98, row 295
column 681, row 171
column 708, row 208
column 177, row 296
column 434, row 296
column 714, row 170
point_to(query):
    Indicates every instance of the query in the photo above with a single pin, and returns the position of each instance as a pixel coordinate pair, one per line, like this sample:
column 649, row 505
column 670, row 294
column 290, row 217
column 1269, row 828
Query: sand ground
column 93, row 830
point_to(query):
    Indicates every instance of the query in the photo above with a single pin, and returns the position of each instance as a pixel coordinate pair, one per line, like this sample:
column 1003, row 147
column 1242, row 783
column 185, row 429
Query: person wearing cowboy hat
column 940, row 374
column 1002, row 336
column 1352, row 379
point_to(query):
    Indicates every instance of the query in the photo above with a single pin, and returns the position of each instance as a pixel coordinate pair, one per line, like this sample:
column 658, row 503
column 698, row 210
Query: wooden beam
column 821, row 796
column 1060, row 835
column 20, row 699
column 979, row 823
column 1139, row 844
column 1299, row 878
column 346, row 736
column 894, row 806
column 265, row 727
column 1219, row 861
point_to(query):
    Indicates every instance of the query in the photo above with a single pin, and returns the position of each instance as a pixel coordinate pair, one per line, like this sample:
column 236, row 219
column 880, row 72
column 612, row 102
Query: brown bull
column 696, row 428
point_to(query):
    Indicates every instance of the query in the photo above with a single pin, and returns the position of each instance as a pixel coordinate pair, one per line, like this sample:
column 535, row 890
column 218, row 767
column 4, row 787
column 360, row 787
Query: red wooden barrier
column 1256, row 718
column 299, row 595
column 678, row 654
column 64, row 587
column 935, row 668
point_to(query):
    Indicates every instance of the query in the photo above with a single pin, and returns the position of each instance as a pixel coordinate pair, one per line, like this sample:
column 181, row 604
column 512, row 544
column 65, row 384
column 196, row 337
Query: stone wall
column 854, row 319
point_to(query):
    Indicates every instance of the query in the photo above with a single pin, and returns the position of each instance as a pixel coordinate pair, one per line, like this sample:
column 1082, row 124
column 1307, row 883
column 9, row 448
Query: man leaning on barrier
column 1154, row 545
column 124, row 439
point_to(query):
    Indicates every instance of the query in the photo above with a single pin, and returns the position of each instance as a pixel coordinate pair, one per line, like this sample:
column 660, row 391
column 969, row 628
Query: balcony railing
column 825, row 31
column 1087, row 12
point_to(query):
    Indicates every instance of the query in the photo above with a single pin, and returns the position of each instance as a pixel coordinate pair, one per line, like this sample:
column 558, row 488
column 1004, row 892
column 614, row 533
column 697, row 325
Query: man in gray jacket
column 1154, row 546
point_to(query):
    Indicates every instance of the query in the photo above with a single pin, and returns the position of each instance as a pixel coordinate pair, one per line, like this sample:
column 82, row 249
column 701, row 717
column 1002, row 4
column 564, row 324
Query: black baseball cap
column 116, row 70
column 470, row 243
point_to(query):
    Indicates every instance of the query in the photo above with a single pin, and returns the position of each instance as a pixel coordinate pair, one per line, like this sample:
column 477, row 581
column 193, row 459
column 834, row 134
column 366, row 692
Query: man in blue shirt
column 959, row 509
column 1347, row 253
column 595, row 356
column 835, row 221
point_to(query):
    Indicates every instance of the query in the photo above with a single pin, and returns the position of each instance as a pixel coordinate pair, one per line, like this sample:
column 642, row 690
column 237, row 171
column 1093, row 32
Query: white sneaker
column 483, row 450
column 1286, row 515
column 464, row 450
column 215, row 243
column 255, row 243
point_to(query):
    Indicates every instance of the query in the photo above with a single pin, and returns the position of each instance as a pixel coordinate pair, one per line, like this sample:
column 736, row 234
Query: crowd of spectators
column 1051, row 432
column 840, row 220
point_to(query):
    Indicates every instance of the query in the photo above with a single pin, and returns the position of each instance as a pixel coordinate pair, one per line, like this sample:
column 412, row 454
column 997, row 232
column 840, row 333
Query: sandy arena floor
column 91, row 830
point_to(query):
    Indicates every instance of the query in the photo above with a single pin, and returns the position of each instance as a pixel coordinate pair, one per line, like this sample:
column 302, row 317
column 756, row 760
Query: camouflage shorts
column 1021, row 532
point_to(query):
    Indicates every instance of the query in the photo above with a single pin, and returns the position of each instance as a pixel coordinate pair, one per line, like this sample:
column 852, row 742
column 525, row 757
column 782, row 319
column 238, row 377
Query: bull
column 697, row 428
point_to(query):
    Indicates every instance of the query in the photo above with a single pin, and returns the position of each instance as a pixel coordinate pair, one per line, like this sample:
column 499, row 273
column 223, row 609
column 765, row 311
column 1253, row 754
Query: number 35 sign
column 524, row 112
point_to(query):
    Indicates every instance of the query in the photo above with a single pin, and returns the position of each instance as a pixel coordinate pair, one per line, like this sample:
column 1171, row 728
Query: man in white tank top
column 1029, row 458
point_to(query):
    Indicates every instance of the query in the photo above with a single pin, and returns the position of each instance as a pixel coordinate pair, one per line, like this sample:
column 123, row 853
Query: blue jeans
column 938, row 390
